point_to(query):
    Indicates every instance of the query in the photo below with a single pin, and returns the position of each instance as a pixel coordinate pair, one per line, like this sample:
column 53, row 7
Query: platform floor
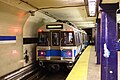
column 93, row 70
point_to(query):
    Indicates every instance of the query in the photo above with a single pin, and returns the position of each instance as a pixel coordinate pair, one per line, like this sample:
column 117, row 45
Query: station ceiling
column 75, row 11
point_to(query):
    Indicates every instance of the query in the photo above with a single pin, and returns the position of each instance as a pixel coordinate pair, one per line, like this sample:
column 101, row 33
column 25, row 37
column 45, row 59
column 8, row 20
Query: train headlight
column 69, row 53
column 41, row 53
column 66, row 53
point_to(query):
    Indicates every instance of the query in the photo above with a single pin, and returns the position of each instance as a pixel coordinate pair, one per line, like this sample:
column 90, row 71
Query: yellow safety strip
column 80, row 70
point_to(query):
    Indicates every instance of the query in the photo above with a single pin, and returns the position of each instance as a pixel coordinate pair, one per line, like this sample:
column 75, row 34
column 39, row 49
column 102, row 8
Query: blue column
column 95, row 41
column 109, row 63
column 98, row 41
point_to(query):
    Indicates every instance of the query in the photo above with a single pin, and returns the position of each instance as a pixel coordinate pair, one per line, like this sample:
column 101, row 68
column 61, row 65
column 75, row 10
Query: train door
column 55, row 39
column 55, row 45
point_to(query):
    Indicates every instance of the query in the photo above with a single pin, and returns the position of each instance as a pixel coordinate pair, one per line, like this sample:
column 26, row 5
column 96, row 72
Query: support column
column 98, row 41
column 109, row 63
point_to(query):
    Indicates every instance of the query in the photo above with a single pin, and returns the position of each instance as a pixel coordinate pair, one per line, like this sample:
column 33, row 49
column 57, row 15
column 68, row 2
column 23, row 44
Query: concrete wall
column 11, row 24
column 16, row 22
column 30, row 30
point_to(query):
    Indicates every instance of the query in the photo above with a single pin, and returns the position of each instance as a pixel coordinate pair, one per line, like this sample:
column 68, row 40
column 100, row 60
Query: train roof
column 65, row 26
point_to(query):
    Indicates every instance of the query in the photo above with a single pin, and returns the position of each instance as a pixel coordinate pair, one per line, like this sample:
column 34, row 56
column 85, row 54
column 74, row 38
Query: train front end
column 55, row 46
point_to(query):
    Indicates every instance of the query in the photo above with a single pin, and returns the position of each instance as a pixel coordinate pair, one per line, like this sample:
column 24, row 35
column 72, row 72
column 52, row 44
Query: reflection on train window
column 55, row 38
column 67, row 38
column 43, row 38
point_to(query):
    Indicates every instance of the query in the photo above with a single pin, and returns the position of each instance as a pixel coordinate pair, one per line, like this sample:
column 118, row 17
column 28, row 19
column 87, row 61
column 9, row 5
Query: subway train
column 59, row 43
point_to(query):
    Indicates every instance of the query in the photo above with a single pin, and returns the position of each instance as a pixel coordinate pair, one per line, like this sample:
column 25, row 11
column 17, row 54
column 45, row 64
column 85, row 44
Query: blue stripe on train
column 55, row 52
column 47, row 53
column 66, row 53
column 50, row 52
column 75, row 52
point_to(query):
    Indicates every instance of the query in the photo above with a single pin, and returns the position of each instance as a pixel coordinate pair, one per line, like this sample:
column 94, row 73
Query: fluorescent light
column 87, row 25
column 87, row 22
column 92, row 7
column 54, row 26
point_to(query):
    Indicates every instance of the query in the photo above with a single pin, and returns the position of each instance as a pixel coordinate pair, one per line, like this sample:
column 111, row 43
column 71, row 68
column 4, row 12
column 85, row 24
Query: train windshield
column 43, row 38
column 67, row 38
column 55, row 38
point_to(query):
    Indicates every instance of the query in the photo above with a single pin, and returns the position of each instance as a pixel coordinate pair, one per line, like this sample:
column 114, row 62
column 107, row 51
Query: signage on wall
column 7, row 39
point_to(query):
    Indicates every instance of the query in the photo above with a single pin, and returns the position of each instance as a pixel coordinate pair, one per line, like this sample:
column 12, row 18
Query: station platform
column 86, row 67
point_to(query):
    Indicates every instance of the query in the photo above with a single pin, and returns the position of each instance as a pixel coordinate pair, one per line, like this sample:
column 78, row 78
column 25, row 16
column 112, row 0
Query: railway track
column 47, row 75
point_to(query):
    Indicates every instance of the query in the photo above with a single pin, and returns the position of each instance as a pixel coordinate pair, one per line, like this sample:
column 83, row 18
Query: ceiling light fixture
column 92, row 7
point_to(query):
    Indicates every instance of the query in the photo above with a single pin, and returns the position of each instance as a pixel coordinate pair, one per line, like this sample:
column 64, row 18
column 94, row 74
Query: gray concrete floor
column 94, row 71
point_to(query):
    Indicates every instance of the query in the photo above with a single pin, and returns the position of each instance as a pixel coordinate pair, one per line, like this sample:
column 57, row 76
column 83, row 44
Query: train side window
column 79, row 38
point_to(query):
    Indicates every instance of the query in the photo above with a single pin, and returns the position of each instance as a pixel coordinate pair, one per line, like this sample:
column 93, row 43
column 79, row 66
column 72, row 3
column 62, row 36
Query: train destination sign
column 54, row 26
